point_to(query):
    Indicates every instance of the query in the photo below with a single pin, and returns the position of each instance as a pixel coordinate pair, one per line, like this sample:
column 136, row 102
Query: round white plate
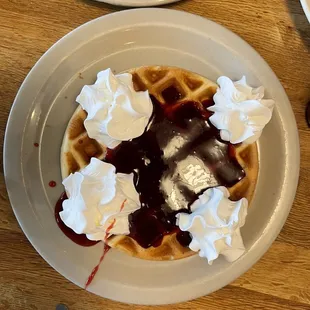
column 306, row 6
column 46, row 101
column 138, row 3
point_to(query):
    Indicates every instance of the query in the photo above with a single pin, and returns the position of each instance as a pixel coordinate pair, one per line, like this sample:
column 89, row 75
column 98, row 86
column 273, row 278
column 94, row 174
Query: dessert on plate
column 162, row 163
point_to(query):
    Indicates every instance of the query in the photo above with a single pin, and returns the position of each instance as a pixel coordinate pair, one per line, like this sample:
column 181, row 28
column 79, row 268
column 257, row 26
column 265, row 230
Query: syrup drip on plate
column 91, row 277
column 52, row 184
column 106, row 249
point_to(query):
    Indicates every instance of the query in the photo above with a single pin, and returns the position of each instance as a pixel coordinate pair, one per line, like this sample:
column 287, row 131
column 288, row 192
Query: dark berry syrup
column 179, row 156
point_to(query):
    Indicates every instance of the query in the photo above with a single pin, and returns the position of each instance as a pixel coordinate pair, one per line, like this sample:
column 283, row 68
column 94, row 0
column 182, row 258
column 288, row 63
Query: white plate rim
column 293, row 158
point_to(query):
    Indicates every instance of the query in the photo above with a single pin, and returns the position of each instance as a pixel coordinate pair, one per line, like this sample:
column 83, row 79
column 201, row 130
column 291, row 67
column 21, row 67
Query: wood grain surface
column 279, row 31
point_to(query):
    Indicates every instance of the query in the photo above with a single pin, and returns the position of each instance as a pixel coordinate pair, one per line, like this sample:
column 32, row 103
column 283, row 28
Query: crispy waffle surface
column 77, row 150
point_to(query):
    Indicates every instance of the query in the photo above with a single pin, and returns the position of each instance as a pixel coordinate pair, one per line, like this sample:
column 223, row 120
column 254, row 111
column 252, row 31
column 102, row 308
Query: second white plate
column 138, row 3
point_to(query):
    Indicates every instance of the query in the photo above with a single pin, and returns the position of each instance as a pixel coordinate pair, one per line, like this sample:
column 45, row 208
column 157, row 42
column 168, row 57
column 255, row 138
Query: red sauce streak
column 36, row 144
column 108, row 230
column 122, row 206
column 81, row 239
column 90, row 279
column 106, row 249
column 52, row 184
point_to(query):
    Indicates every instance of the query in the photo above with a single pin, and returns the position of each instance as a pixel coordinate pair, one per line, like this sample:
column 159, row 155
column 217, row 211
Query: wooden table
column 279, row 31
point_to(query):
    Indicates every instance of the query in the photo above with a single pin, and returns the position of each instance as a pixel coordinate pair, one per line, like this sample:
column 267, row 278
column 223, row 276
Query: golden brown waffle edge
column 77, row 149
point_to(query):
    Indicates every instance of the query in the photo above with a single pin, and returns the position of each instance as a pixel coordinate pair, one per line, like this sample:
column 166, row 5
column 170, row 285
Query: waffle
column 77, row 149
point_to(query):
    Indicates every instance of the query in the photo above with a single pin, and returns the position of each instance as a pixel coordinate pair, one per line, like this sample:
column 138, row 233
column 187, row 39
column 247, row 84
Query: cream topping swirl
column 240, row 112
column 214, row 225
column 115, row 111
column 99, row 201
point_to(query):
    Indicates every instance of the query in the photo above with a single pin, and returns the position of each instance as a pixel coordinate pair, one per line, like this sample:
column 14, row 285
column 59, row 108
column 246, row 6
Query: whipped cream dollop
column 214, row 224
column 240, row 112
column 99, row 201
column 115, row 111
